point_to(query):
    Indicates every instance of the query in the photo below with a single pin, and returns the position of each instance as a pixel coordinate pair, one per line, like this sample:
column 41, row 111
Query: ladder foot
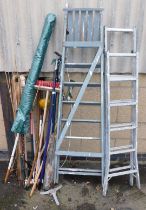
column 138, row 181
column 56, row 174
column 131, row 180
column 105, row 186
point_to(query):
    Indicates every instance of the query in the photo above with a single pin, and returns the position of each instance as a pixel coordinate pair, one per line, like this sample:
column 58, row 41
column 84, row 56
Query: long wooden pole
column 12, row 157
column 36, row 180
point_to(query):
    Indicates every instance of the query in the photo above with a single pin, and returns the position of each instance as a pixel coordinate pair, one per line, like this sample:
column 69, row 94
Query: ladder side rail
column 136, row 119
column 134, row 113
column 134, row 40
column 133, row 109
column 56, row 161
column 133, row 157
column 79, row 97
column 102, row 96
column 62, row 79
column 107, row 128
column 106, row 38
column 105, row 114
column 105, row 100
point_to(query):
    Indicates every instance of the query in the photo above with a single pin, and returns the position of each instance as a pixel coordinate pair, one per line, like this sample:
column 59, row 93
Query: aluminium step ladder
column 82, row 30
column 132, row 168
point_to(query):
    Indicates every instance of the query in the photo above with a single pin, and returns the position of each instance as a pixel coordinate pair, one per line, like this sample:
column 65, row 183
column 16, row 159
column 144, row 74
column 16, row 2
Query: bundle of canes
column 15, row 93
column 50, row 129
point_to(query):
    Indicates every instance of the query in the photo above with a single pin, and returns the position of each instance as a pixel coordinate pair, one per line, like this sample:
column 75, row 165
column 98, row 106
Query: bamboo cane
column 42, row 131
column 38, row 174
column 51, row 126
column 40, row 142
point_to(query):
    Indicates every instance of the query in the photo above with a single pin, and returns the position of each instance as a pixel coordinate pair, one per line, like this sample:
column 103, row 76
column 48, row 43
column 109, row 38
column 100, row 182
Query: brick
column 124, row 114
column 1, row 113
column 125, row 134
column 120, row 93
column 2, row 128
column 142, row 131
column 142, row 146
column 142, row 80
column 142, row 113
column 122, row 142
column 84, row 146
column 142, row 96
column 3, row 142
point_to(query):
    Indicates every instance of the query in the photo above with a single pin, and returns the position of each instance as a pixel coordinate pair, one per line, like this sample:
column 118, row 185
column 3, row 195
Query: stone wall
column 118, row 115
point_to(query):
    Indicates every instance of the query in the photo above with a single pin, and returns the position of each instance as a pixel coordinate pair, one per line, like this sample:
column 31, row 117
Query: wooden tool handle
column 36, row 180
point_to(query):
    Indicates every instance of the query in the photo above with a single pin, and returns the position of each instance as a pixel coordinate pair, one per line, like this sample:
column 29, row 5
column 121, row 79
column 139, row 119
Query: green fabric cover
column 22, row 120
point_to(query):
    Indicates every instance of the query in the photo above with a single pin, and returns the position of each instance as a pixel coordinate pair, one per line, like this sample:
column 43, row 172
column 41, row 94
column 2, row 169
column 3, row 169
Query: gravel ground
column 77, row 193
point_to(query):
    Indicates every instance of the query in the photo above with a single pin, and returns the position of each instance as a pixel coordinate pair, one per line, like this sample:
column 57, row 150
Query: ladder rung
column 83, row 9
column 122, row 126
column 80, row 171
column 122, row 54
column 120, row 168
column 116, row 78
column 121, row 149
column 78, row 84
column 80, row 65
column 83, row 102
column 82, row 138
column 82, row 121
column 120, row 29
column 127, row 102
column 122, row 173
column 82, row 44
column 79, row 154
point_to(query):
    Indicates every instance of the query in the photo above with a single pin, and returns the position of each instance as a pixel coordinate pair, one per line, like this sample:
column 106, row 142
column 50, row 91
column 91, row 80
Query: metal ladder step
column 128, row 102
column 122, row 149
column 82, row 44
column 119, row 168
column 118, row 78
column 83, row 102
column 122, row 173
column 80, row 171
column 79, row 154
column 122, row 54
column 122, row 126
column 82, row 138
column 79, row 84
column 81, row 120
column 80, row 65
column 120, row 29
